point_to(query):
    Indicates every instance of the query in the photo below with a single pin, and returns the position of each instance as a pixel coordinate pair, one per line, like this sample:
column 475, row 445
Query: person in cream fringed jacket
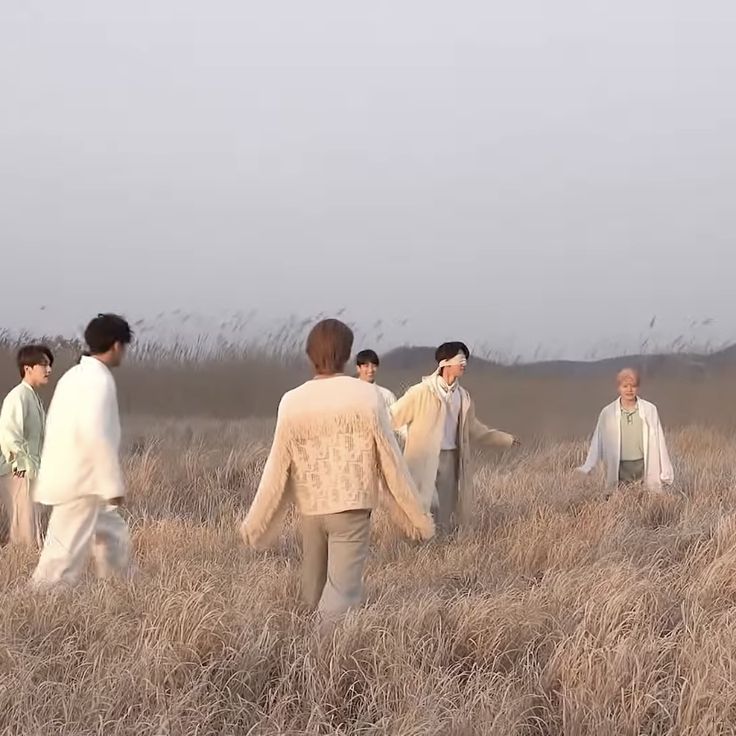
column 440, row 425
column 629, row 440
column 335, row 457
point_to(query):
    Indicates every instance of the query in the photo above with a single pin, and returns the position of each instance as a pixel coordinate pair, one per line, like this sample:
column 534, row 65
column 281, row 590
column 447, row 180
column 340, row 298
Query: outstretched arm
column 402, row 411
column 270, row 501
column 484, row 435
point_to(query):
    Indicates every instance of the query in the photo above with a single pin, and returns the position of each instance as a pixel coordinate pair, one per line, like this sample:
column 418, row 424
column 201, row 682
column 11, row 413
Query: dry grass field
column 556, row 612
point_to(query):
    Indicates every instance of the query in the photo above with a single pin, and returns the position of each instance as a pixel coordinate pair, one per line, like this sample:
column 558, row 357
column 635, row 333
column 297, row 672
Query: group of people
column 342, row 445
column 68, row 461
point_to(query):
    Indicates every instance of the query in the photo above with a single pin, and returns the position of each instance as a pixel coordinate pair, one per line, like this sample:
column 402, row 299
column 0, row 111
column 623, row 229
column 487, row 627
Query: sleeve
column 594, row 451
column 399, row 431
column 484, row 435
column 667, row 472
column 402, row 500
column 402, row 411
column 13, row 442
column 99, row 432
column 271, row 499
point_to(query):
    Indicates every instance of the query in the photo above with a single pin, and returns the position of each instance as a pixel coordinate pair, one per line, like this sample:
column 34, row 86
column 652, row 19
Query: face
column 452, row 373
column 628, row 388
column 367, row 372
column 38, row 375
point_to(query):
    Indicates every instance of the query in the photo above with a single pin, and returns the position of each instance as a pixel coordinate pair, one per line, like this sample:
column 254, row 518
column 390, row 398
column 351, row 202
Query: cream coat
column 81, row 449
column 605, row 446
column 422, row 415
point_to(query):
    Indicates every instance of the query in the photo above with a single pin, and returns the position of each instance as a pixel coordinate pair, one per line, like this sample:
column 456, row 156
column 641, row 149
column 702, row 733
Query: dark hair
column 449, row 350
column 329, row 345
column 31, row 355
column 367, row 357
column 104, row 331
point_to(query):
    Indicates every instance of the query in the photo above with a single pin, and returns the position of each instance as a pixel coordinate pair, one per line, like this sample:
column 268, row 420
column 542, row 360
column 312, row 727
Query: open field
column 555, row 613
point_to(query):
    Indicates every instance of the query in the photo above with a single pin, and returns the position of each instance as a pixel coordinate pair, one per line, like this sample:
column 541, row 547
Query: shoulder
column 329, row 393
column 416, row 391
column 648, row 407
column 608, row 410
column 15, row 394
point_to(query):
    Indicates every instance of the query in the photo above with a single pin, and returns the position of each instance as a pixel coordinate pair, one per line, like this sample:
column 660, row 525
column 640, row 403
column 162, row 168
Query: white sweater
column 333, row 450
column 81, row 450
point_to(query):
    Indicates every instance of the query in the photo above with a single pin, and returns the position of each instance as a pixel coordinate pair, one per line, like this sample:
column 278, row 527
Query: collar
column 92, row 362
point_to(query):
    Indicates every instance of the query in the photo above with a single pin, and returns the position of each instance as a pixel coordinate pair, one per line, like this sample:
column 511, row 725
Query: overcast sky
column 515, row 174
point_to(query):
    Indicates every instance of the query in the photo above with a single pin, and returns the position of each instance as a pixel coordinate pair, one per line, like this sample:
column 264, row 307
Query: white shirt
column 80, row 452
column 388, row 397
column 452, row 421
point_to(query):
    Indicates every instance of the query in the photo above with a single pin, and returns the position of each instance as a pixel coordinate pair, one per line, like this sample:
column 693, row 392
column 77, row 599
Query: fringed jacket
column 334, row 450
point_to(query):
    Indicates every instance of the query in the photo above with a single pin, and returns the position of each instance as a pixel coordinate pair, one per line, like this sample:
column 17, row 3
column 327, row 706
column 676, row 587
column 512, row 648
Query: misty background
column 536, row 178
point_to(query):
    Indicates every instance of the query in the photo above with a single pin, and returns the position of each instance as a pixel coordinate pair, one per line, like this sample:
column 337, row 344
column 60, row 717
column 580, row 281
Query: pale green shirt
column 22, row 427
column 632, row 435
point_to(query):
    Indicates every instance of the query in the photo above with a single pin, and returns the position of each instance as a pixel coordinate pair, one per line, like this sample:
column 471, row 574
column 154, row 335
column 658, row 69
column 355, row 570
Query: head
column 628, row 381
column 329, row 345
column 368, row 363
column 34, row 364
column 108, row 337
column 452, row 358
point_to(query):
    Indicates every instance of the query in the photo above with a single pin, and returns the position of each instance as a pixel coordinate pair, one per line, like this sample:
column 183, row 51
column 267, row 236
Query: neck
column 449, row 380
column 29, row 383
column 628, row 403
column 105, row 359
column 320, row 376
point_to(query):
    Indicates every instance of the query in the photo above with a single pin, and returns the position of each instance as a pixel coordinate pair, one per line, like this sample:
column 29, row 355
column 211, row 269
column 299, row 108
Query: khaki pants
column 24, row 517
column 77, row 529
column 334, row 551
column 444, row 512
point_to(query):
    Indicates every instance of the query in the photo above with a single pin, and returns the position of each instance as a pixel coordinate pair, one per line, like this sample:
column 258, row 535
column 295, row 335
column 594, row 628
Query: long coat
column 81, row 449
column 422, row 413
column 605, row 446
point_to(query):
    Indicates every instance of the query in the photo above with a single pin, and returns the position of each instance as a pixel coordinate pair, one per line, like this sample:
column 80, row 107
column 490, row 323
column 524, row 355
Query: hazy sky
column 511, row 173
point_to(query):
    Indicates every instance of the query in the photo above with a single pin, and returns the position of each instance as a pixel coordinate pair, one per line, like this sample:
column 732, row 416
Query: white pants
column 76, row 529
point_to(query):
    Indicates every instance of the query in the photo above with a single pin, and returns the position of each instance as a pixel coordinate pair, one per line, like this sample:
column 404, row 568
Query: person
column 368, row 363
column 81, row 478
column 22, row 426
column 333, row 455
column 440, row 424
column 629, row 440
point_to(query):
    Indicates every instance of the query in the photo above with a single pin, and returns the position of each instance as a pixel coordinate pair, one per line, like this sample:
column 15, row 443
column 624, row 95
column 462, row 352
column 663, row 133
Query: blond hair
column 631, row 373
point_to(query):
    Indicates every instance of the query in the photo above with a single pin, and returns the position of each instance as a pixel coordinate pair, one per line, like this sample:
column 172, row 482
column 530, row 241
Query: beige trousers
column 334, row 551
column 24, row 517
column 77, row 529
column 445, row 512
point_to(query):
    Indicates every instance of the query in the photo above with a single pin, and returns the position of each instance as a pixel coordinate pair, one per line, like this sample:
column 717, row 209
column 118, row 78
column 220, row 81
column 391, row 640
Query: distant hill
column 421, row 360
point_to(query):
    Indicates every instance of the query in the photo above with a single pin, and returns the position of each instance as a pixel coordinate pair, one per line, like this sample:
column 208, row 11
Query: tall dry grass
column 555, row 612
